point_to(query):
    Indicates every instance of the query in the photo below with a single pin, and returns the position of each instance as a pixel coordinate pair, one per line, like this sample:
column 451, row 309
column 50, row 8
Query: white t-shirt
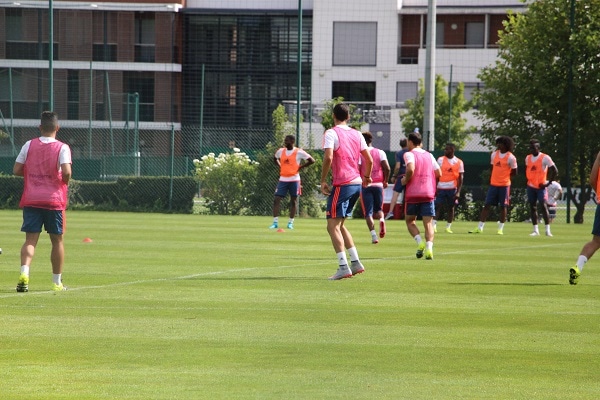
column 409, row 157
column 452, row 161
column 382, row 157
column 331, row 141
column 300, row 155
column 64, row 156
column 512, row 160
column 554, row 193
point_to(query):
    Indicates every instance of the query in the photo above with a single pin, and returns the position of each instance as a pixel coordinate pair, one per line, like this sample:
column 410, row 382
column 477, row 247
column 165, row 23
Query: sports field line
column 223, row 272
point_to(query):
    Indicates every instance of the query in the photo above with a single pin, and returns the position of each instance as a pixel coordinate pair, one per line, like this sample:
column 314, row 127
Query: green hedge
column 146, row 194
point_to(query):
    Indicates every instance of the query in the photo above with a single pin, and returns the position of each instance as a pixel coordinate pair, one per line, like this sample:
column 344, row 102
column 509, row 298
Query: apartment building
column 217, row 70
column 372, row 54
column 115, row 64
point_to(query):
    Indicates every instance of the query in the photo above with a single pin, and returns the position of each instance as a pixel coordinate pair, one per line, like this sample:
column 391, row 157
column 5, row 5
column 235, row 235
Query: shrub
column 224, row 181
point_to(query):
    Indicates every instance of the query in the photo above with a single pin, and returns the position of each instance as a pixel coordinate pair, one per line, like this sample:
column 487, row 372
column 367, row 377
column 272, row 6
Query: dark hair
column 341, row 112
column 451, row 145
column 535, row 142
column 507, row 141
column 403, row 142
column 415, row 138
column 49, row 122
column 291, row 137
column 368, row 137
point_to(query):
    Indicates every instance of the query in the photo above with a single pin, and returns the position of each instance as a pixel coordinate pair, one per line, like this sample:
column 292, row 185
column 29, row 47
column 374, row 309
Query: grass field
column 207, row 307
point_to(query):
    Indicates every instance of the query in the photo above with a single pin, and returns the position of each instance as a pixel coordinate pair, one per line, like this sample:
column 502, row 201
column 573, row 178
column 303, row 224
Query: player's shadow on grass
column 507, row 284
column 257, row 278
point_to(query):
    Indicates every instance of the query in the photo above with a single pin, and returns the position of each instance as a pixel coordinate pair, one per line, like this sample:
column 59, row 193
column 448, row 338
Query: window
column 405, row 91
column 14, row 24
column 103, row 52
column 475, row 35
column 18, row 87
column 469, row 89
column 354, row 92
column 144, row 37
column 141, row 83
column 439, row 35
column 73, row 94
column 355, row 43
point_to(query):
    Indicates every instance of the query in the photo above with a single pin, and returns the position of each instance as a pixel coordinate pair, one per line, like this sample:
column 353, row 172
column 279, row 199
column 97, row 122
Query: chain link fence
column 129, row 151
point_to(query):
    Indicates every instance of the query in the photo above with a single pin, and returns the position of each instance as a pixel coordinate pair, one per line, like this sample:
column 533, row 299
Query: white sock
column 500, row 226
column 291, row 221
column 418, row 239
column 429, row 246
column 434, row 222
column 536, row 229
column 25, row 270
column 548, row 228
column 481, row 224
column 275, row 220
column 57, row 278
column 373, row 234
column 581, row 262
column 449, row 225
column 342, row 258
column 353, row 254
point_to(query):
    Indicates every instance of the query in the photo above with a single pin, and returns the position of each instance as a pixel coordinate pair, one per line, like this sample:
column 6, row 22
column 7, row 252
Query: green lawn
column 208, row 307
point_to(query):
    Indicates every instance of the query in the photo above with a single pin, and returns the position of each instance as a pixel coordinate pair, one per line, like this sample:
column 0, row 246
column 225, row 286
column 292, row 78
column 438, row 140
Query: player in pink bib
column 343, row 147
column 45, row 165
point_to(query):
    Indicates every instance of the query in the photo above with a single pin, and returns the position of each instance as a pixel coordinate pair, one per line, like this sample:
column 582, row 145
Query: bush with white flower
column 225, row 180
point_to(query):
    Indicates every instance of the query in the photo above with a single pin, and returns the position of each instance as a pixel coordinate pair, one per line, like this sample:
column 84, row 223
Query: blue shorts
column 498, row 196
column 536, row 195
column 445, row 196
column 398, row 186
column 596, row 228
column 552, row 211
column 371, row 200
column 341, row 201
column 426, row 209
column 283, row 188
column 52, row 220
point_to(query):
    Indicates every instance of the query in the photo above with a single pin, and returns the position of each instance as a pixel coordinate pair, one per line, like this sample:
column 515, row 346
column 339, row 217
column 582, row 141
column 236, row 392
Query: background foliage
column 527, row 92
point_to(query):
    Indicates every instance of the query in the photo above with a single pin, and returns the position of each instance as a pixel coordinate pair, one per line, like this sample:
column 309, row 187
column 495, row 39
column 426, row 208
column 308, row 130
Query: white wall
column 325, row 13
column 249, row 4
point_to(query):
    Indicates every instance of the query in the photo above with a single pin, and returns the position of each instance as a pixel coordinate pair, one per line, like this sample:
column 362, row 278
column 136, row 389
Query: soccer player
column 45, row 164
column 371, row 197
column 343, row 147
column 539, row 167
column 290, row 161
column 555, row 193
column 449, row 185
column 422, row 172
column 590, row 247
column 504, row 166
column 399, row 171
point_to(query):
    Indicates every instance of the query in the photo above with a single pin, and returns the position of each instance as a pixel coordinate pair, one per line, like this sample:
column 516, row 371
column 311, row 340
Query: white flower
column 236, row 150
column 204, row 158
column 211, row 154
column 196, row 161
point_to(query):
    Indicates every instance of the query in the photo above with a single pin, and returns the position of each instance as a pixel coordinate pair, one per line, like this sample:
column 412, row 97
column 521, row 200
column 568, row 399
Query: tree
column 327, row 114
column 526, row 92
column 260, row 195
column 414, row 117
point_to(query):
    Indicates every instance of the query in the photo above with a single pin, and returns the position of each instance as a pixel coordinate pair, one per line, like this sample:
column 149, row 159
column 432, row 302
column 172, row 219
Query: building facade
column 215, row 71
